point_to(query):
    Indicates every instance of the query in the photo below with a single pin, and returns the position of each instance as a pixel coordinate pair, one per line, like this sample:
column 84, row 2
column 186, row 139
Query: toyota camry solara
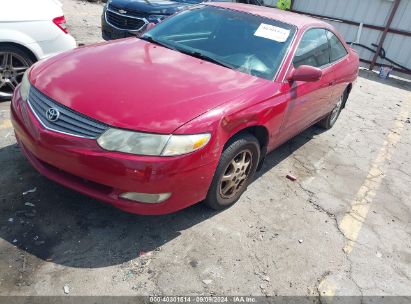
column 185, row 113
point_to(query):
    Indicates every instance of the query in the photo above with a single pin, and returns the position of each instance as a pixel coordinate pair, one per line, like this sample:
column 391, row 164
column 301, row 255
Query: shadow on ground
column 284, row 151
column 71, row 229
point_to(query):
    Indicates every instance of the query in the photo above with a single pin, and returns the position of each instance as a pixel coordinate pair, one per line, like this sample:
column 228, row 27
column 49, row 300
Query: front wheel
column 234, row 172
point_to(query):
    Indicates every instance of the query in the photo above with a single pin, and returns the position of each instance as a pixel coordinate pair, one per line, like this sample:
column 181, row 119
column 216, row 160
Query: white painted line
column 352, row 222
column 6, row 124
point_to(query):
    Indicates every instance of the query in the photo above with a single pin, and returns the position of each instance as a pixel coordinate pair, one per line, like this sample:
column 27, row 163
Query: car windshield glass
column 247, row 43
column 189, row 1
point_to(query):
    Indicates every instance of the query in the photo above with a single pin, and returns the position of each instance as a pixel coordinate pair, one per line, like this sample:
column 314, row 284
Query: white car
column 30, row 30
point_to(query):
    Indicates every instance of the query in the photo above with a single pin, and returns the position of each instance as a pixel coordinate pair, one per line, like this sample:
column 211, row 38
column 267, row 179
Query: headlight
column 151, row 144
column 25, row 86
column 133, row 142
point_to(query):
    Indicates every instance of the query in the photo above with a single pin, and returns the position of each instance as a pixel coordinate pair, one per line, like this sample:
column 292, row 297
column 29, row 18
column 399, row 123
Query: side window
column 337, row 48
column 313, row 49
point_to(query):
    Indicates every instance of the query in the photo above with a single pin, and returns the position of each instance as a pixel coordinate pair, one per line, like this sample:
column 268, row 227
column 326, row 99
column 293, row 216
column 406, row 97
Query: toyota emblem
column 52, row 114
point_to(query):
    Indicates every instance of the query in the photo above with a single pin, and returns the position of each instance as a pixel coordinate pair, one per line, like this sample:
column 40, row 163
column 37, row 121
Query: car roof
column 299, row 20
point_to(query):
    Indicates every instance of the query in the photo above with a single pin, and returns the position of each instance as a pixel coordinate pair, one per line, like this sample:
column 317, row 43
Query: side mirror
column 305, row 73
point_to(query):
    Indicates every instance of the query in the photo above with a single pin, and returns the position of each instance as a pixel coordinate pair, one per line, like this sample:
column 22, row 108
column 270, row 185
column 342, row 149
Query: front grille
column 68, row 122
column 124, row 22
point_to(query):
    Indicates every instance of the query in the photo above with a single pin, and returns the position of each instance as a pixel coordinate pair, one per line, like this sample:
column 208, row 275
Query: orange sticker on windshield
column 272, row 32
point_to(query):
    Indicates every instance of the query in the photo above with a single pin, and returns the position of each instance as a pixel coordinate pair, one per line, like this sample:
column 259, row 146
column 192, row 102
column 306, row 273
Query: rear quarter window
column 313, row 49
column 338, row 50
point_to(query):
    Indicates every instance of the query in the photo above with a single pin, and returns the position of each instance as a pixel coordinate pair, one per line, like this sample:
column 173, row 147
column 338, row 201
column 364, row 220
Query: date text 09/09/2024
column 202, row 299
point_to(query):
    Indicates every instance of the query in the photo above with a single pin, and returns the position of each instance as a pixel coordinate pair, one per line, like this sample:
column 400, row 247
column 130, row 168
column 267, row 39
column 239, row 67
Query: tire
column 329, row 121
column 233, row 171
column 12, row 69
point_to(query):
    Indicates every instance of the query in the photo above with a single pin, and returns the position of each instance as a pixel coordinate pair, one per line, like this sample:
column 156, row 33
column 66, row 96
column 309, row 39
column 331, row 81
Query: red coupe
column 186, row 112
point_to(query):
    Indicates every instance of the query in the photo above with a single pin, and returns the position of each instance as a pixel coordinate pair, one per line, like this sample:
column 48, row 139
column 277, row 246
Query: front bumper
column 80, row 164
column 110, row 33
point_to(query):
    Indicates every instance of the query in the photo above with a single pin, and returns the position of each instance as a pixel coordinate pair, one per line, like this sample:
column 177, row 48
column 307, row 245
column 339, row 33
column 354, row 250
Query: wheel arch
column 347, row 92
column 23, row 48
column 262, row 135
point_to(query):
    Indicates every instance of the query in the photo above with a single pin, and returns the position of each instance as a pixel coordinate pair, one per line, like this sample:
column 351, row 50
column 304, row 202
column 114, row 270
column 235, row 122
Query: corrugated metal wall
column 373, row 12
column 397, row 46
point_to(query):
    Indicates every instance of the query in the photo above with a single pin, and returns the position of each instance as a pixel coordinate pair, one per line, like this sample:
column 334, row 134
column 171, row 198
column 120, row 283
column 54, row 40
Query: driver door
column 309, row 101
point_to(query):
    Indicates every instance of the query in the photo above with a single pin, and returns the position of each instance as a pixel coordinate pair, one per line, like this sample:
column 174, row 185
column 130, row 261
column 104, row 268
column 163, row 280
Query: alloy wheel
column 12, row 68
column 236, row 174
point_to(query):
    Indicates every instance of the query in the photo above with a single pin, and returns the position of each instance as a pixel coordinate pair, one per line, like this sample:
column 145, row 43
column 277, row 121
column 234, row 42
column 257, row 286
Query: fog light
column 146, row 197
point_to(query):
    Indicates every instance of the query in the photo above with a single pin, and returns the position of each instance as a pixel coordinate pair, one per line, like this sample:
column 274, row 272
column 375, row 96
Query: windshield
column 248, row 43
column 189, row 1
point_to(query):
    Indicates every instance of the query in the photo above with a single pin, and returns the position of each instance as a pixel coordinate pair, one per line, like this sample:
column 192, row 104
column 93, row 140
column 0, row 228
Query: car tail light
column 61, row 23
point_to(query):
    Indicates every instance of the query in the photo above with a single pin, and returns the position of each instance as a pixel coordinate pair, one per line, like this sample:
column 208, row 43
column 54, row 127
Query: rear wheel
column 234, row 172
column 13, row 63
column 329, row 121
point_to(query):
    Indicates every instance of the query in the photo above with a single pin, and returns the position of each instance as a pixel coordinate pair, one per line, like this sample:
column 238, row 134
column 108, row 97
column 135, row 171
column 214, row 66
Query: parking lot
column 341, row 228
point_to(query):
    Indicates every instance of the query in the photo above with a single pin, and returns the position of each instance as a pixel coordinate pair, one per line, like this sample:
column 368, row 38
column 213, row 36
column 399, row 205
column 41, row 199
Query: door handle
column 331, row 83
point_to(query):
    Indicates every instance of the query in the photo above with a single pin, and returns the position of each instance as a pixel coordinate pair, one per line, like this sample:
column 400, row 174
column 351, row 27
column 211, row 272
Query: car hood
column 134, row 84
column 165, row 7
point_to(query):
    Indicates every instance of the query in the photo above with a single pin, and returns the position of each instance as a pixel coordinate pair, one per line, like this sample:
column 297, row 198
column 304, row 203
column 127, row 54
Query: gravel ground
column 84, row 20
column 342, row 228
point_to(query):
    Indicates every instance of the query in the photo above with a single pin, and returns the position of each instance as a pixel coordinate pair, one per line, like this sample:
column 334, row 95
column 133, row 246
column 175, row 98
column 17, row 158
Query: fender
column 20, row 38
column 231, row 118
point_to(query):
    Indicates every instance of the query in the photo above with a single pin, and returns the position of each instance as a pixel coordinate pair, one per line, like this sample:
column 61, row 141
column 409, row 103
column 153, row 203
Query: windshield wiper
column 206, row 58
column 152, row 40
column 188, row 52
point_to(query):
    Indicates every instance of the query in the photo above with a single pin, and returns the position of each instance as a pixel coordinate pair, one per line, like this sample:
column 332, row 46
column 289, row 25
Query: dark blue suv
column 124, row 18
